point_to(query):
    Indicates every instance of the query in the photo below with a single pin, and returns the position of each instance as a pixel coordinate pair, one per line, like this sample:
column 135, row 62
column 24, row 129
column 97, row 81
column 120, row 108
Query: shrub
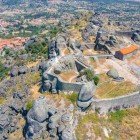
column 117, row 116
column 72, row 97
column 96, row 80
column 89, row 74
column 38, row 49
column 29, row 105
column 3, row 71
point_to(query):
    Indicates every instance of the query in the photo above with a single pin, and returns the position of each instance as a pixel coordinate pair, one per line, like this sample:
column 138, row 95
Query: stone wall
column 102, row 56
column 101, row 105
column 65, row 86
column 125, row 33
column 122, row 102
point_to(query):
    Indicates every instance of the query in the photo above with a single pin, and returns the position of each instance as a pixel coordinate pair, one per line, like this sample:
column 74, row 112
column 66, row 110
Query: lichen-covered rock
column 113, row 73
column 22, row 70
column 52, row 111
column 57, row 70
column 39, row 112
column 67, row 117
column 4, row 122
column 67, row 134
column 54, row 84
column 87, row 91
column 14, row 71
column 85, row 97
column 46, row 86
column 36, row 118
column 135, row 36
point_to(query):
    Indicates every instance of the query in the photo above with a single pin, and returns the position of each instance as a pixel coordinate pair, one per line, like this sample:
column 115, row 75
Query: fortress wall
column 122, row 102
column 105, row 56
column 125, row 33
column 79, row 65
column 65, row 86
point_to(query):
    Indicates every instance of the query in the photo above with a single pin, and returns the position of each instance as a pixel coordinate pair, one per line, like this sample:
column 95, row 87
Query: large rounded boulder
column 39, row 112
column 113, row 73
column 36, row 118
column 85, row 97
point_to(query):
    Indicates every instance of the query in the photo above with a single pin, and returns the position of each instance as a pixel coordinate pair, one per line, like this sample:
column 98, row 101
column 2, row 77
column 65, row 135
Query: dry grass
column 68, row 76
column 65, row 51
column 109, row 89
column 28, row 79
column 135, row 59
column 18, row 134
column 89, row 52
column 32, row 64
column 2, row 100
column 127, row 128
column 60, row 100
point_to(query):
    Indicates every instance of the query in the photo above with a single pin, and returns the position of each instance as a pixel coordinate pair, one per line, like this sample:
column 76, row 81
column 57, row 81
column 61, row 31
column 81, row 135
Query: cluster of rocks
column 53, row 49
column 8, row 84
column 48, row 85
column 5, row 84
column 43, row 118
column 15, row 71
column 20, row 70
column 74, row 45
column 136, row 36
column 94, row 23
column 10, row 114
column 65, row 64
column 102, row 43
column 96, row 20
column 111, row 41
column 29, row 42
column 90, row 30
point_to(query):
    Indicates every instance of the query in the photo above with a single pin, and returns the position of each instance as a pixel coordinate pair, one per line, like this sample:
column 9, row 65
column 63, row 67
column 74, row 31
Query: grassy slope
column 110, row 89
column 121, row 125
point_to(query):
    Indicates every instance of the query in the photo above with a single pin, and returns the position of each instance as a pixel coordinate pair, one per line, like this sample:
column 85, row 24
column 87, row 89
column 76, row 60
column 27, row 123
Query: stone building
column 126, row 52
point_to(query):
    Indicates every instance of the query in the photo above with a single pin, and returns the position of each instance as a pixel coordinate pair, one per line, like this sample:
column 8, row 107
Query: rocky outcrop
column 53, row 49
column 85, row 97
column 113, row 73
column 112, row 41
column 43, row 117
column 135, row 36
column 10, row 114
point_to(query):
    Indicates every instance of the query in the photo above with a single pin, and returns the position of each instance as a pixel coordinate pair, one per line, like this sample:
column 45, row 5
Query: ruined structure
column 51, row 81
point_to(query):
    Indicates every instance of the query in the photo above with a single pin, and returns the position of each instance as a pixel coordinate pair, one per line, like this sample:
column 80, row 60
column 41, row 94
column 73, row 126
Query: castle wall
column 65, row 86
column 101, row 105
column 125, row 33
column 122, row 102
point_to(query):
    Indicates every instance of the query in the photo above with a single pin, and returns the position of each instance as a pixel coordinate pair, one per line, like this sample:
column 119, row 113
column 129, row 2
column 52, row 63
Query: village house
column 126, row 52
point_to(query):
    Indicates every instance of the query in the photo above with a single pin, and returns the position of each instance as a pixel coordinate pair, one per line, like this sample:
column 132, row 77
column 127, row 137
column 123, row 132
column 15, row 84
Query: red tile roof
column 129, row 49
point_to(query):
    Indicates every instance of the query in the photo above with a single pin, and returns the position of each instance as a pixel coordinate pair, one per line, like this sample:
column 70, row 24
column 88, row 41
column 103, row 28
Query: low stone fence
column 124, row 33
column 118, row 103
column 101, row 55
